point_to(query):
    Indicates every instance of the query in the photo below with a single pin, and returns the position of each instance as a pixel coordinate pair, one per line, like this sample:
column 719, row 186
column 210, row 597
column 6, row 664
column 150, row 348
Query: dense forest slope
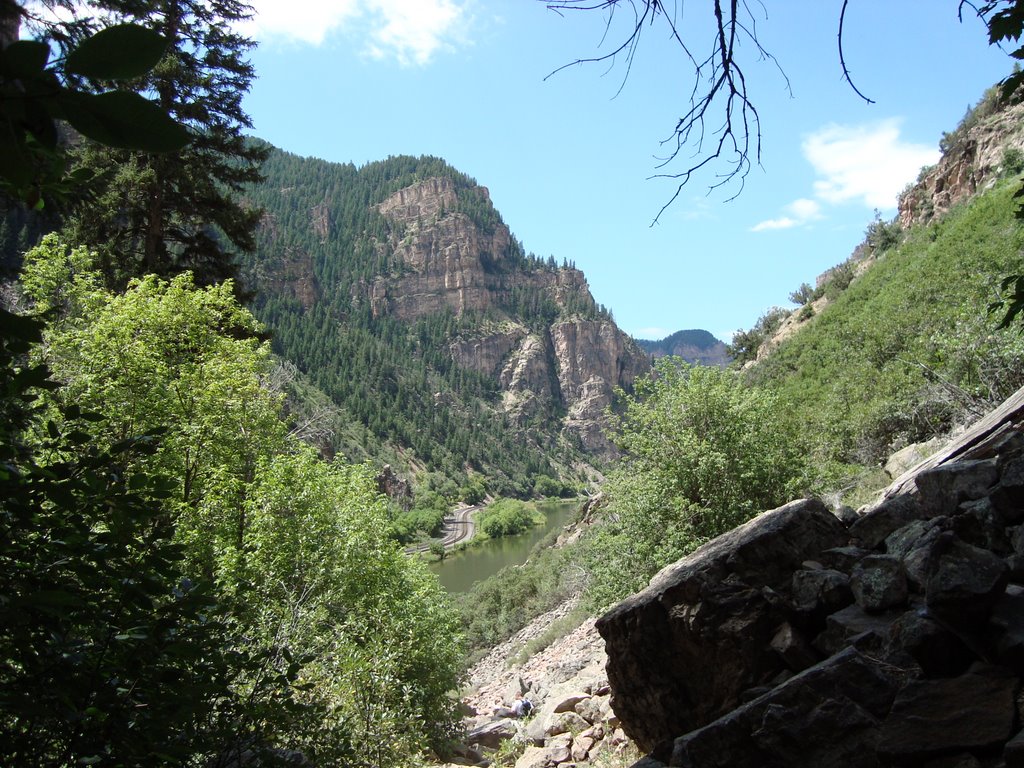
column 397, row 289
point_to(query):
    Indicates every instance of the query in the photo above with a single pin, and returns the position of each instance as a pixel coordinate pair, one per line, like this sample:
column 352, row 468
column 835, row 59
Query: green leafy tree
column 108, row 654
column 165, row 354
column 703, row 453
column 381, row 645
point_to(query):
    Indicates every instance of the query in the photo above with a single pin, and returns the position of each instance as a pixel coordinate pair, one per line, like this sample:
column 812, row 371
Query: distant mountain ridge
column 397, row 289
column 695, row 346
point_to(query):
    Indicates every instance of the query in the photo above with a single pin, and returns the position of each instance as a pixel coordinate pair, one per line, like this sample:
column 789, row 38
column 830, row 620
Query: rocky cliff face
column 450, row 263
column 973, row 160
column 892, row 636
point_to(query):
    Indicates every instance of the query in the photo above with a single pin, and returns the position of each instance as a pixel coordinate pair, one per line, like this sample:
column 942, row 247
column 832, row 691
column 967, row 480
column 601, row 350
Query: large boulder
column 682, row 652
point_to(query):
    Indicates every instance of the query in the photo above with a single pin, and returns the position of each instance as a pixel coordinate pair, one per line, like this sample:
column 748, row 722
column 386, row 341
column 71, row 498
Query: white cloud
column 869, row 163
column 800, row 212
column 410, row 31
column 281, row 20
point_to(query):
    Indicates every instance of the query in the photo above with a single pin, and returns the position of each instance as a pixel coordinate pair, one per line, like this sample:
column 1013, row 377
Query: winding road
column 458, row 526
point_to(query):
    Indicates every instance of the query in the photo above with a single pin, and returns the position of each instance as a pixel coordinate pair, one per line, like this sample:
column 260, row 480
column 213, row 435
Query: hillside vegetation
column 326, row 256
column 909, row 349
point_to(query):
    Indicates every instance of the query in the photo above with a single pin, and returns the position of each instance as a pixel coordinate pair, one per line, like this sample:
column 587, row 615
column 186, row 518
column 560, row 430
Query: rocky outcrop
column 450, row 264
column 892, row 639
column 592, row 357
column 970, row 163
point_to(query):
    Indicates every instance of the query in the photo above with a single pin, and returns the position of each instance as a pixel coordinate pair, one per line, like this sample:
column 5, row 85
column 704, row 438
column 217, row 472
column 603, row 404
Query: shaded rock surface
column 798, row 640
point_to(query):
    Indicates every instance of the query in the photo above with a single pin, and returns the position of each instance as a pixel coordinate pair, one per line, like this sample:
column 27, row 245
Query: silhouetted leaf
column 24, row 58
column 123, row 119
column 120, row 52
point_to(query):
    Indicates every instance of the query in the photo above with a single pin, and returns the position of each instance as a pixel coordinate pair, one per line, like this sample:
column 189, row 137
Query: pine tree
column 169, row 213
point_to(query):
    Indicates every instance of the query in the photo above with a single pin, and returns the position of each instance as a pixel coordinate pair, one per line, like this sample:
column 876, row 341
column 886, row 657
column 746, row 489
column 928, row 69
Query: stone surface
column 840, row 704
column 965, row 583
column 879, row 582
column 942, row 489
column 881, row 520
column 682, row 651
column 820, row 592
column 929, row 717
column 938, row 650
column 493, row 733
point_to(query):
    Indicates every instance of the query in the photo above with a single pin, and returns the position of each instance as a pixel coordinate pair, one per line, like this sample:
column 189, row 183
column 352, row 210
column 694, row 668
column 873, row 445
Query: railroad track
column 458, row 526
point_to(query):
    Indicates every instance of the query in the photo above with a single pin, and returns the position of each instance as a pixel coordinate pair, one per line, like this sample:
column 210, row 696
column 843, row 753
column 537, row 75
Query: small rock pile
column 889, row 637
column 572, row 723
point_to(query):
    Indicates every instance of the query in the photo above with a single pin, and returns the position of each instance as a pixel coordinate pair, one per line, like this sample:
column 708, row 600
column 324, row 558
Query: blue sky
column 567, row 158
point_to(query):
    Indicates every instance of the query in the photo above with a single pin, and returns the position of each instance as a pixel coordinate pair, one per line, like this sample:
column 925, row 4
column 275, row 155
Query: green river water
column 461, row 570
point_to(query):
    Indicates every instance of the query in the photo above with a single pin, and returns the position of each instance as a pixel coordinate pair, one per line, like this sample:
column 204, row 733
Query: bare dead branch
column 842, row 58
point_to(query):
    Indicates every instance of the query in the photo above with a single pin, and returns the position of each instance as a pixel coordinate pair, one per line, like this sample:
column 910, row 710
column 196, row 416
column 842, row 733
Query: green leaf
column 120, row 52
column 24, row 58
column 125, row 120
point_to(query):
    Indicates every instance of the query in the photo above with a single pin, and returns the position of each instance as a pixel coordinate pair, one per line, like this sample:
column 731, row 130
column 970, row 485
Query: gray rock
column 793, row 648
column 871, row 630
column 934, row 647
column 1008, row 620
column 965, row 583
column 1013, row 752
column 979, row 523
column 826, row 717
column 903, row 541
column 879, row 582
column 590, row 710
column 884, row 518
column 1008, row 496
column 568, row 703
column 919, row 562
column 682, row 651
column 846, row 515
column 932, row 717
column 821, row 591
column 843, row 558
column 493, row 733
column 943, row 488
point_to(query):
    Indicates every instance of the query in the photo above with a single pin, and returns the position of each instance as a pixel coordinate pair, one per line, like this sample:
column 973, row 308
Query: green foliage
column 35, row 95
column 745, row 344
column 1012, row 163
column 381, row 647
column 805, row 294
column 109, row 655
column 164, row 214
column 703, row 453
column 320, row 596
column 881, row 236
column 506, row 517
column 907, row 350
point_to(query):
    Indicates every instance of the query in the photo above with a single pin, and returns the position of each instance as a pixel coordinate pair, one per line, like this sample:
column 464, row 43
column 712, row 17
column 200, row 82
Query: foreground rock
column 895, row 639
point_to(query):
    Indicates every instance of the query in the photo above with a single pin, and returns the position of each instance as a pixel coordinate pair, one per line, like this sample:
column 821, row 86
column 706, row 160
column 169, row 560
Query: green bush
column 507, row 517
column 703, row 453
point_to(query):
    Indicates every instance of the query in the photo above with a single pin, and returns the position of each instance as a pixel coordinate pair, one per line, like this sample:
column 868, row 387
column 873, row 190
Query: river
column 459, row 571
